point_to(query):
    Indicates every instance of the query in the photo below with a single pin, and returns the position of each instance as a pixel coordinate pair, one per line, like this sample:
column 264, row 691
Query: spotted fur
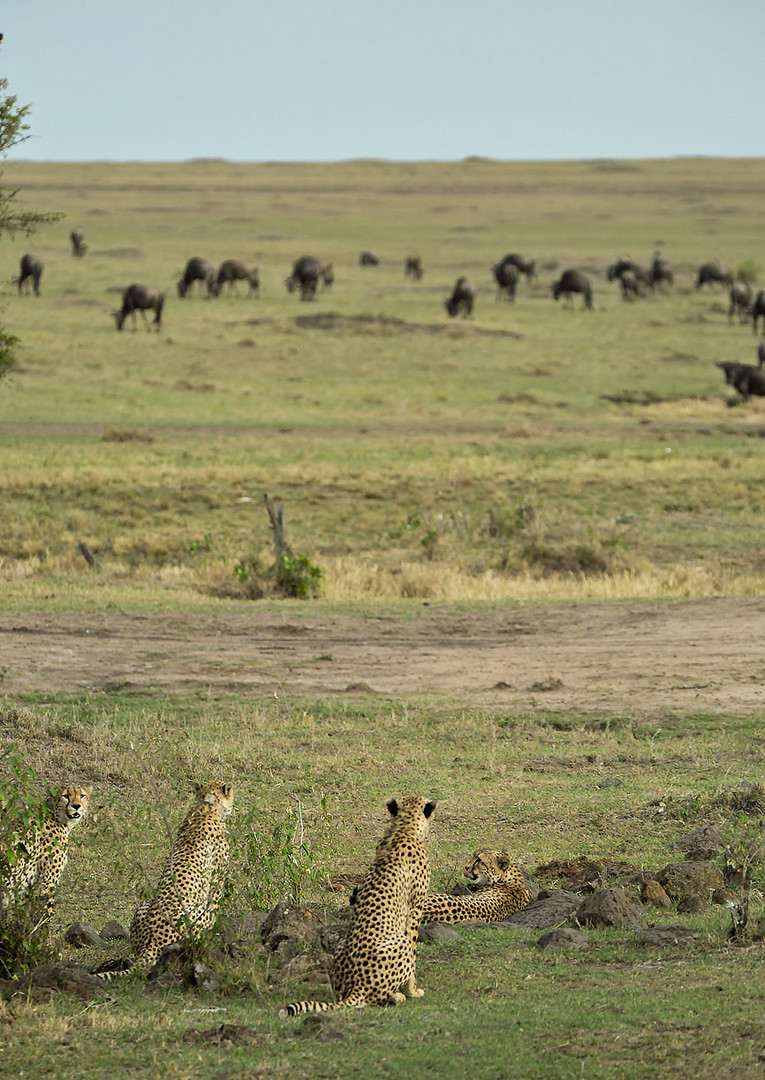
column 502, row 891
column 42, row 854
column 376, row 965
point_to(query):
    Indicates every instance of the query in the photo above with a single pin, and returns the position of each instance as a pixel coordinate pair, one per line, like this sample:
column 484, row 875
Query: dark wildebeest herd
column 310, row 275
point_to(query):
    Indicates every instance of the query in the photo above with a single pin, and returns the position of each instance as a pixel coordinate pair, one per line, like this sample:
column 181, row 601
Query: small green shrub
column 23, row 923
column 748, row 272
column 279, row 862
column 297, row 576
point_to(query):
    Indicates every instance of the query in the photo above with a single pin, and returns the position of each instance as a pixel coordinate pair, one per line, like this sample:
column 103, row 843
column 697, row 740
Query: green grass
column 528, row 783
column 143, row 444
column 415, row 459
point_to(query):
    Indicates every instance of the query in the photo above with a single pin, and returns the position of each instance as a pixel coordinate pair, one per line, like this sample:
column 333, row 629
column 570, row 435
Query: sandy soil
column 637, row 658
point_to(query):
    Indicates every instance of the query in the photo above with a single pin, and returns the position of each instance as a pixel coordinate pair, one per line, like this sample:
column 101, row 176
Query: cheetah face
column 487, row 867
column 219, row 796
column 71, row 805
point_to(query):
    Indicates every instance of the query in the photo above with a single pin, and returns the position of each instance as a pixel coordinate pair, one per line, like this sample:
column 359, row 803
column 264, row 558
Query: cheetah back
column 502, row 892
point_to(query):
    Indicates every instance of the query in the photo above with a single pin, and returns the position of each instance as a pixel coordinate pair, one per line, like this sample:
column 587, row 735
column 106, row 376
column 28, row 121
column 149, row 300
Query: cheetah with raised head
column 42, row 853
column 376, row 965
column 502, row 891
column 191, row 886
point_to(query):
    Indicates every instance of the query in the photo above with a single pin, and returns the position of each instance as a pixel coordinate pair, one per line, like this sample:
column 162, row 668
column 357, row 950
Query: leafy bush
column 748, row 272
column 23, row 923
column 297, row 576
column 277, row 863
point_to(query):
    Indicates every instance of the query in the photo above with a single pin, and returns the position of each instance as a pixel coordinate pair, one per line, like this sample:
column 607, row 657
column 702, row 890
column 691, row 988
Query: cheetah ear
column 392, row 806
column 228, row 790
column 429, row 808
column 503, row 860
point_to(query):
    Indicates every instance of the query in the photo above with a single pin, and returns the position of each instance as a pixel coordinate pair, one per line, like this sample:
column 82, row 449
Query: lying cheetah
column 42, row 854
column 502, row 892
column 191, row 885
column 376, row 965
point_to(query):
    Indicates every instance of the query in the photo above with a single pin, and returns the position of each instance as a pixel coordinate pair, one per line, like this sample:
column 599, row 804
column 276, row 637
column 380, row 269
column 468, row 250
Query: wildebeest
column 143, row 299
column 748, row 380
column 761, row 354
column 233, row 270
column 366, row 258
column 523, row 264
column 413, row 266
column 79, row 247
column 630, row 285
column 197, row 270
column 617, row 270
column 757, row 310
column 30, row 269
column 712, row 273
column 305, row 277
column 660, row 272
column 570, row 282
column 462, row 298
column 740, row 301
column 506, row 275
column 326, row 275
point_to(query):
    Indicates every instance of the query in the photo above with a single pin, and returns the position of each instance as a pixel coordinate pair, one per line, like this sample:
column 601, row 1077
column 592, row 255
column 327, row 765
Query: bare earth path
column 645, row 659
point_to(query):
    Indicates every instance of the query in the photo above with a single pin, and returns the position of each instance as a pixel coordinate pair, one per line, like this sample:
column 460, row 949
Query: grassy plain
column 485, row 455
column 417, row 458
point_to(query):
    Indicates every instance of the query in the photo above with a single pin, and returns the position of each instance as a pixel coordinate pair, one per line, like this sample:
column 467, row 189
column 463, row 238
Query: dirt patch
column 628, row 658
column 383, row 324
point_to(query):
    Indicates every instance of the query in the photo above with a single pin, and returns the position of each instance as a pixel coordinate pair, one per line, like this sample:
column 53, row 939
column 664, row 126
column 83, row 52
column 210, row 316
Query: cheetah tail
column 112, row 969
column 353, row 1001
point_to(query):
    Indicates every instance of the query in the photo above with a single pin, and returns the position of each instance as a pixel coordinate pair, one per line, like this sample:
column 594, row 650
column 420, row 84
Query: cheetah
column 42, row 854
column 502, row 891
column 191, row 886
column 376, row 965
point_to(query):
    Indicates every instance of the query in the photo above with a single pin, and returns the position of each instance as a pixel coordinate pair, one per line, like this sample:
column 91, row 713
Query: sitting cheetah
column 376, row 965
column 42, row 854
column 502, row 892
column 191, row 885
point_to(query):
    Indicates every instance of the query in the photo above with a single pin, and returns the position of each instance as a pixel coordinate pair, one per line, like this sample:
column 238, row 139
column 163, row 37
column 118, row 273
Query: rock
column 610, row 907
column 431, row 932
column 662, row 936
column 205, row 978
column 552, row 906
column 692, row 905
column 225, row 1035
column 564, row 938
column 701, row 845
column 81, row 934
column 114, row 931
column 684, row 878
column 45, row 981
column 652, row 893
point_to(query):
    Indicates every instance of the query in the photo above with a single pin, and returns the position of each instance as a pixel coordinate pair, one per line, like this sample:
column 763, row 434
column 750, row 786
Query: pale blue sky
column 309, row 80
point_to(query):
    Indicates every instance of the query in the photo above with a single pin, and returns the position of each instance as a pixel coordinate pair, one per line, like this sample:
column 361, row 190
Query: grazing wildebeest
column 660, row 272
column 748, row 380
column 233, row 270
column 143, row 299
column 305, row 276
column 197, row 270
column 758, row 310
column 506, row 275
column 570, row 282
column 712, row 273
column 631, row 286
column 30, row 269
column 366, row 258
column 413, row 266
column 525, row 265
column 740, row 301
column 617, row 270
column 79, row 247
column 462, row 298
